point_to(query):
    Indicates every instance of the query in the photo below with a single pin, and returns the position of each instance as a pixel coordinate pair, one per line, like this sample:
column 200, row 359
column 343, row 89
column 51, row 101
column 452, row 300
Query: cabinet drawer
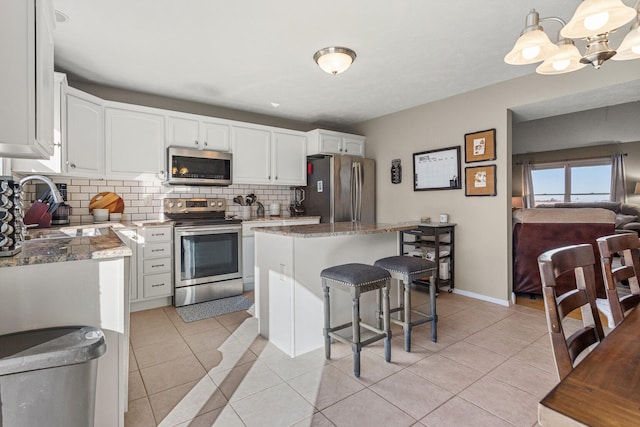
column 157, row 285
column 157, row 250
column 160, row 265
column 157, row 234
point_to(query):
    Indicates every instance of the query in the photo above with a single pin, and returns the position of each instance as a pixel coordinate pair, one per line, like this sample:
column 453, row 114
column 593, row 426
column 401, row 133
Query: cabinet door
column 353, row 146
column 44, row 76
column 251, row 155
column 26, row 86
column 214, row 136
column 248, row 259
column 289, row 159
column 135, row 143
column 183, row 132
column 53, row 164
column 330, row 144
column 84, row 134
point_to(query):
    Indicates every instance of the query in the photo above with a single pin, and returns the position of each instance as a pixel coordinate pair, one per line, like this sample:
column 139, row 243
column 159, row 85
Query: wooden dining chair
column 627, row 245
column 580, row 260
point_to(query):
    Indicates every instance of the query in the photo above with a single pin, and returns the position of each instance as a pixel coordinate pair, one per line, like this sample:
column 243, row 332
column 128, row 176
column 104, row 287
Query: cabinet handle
column 341, row 150
column 157, row 265
column 196, row 142
column 161, row 173
column 72, row 165
column 157, row 285
column 205, row 143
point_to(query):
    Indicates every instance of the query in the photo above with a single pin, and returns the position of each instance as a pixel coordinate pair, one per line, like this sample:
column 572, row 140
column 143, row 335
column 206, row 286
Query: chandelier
column 593, row 21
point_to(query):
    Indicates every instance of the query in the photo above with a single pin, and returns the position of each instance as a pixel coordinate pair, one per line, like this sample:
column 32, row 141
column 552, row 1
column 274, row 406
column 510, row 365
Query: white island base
column 288, row 289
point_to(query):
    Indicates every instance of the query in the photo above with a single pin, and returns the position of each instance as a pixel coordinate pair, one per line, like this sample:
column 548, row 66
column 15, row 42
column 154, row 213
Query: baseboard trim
column 502, row 302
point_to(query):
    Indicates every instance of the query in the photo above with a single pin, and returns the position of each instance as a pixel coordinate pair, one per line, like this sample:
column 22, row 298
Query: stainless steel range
column 208, row 250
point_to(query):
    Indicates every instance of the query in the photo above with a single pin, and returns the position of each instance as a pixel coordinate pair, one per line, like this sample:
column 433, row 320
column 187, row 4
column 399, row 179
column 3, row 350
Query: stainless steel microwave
column 188, row 166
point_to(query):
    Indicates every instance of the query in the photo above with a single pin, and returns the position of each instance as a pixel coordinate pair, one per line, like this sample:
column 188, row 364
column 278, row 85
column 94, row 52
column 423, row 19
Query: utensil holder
column 245, row 212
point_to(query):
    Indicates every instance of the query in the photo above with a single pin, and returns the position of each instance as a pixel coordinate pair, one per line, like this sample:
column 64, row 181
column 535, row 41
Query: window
column 572, row 181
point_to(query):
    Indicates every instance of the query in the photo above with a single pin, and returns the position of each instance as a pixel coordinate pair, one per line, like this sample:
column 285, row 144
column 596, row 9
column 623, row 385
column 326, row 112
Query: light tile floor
column 490, row 367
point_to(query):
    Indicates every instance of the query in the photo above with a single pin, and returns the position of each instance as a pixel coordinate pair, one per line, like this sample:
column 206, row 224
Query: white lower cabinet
column 154, row 281
column 248, row 242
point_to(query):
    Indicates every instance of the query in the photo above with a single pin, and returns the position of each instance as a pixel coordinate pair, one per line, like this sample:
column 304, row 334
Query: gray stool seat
column 357, row 279
column 406, row 269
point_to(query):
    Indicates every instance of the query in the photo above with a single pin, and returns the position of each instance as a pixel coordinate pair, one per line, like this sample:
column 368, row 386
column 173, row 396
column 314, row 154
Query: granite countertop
column 57, row 246
column 336, row 229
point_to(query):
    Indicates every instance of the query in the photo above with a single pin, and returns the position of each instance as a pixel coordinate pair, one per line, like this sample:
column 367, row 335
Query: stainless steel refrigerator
column 341, row 188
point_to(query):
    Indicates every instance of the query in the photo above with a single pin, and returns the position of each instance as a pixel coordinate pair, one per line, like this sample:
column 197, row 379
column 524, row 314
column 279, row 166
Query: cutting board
column 107, row 200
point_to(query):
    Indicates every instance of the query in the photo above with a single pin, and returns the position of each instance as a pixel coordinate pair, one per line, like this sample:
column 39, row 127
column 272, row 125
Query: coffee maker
column 60, row 216
column 297, row 198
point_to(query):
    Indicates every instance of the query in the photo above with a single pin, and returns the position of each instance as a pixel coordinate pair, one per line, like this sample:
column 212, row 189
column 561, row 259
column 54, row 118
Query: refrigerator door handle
column 358, row 191
column 353, row 195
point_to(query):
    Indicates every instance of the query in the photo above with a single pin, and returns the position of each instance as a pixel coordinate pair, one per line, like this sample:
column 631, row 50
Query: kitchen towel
column 204, row 310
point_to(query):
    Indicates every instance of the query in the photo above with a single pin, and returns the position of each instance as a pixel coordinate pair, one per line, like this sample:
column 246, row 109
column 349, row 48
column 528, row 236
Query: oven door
column 206, row 254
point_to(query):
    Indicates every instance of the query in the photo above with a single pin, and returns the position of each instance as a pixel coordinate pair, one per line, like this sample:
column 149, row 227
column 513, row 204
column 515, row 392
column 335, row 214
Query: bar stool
column 357, row 279
column 406, row 269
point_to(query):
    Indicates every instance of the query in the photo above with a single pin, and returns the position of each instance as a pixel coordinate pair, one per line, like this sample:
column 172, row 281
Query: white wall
column 483, row 233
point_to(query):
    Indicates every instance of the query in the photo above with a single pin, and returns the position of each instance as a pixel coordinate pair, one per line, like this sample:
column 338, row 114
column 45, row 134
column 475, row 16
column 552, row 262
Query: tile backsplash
column 143, row 200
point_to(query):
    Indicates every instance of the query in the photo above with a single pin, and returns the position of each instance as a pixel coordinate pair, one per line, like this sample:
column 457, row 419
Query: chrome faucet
column 57, row 197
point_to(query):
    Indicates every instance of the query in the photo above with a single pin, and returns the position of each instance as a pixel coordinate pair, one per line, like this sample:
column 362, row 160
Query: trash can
column 48, row 376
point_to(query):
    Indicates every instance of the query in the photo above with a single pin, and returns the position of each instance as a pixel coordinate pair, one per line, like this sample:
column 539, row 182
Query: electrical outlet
column 148, row 199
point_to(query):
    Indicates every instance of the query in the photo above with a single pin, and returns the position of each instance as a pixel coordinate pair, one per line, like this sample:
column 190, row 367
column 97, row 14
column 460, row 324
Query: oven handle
column 193, row 231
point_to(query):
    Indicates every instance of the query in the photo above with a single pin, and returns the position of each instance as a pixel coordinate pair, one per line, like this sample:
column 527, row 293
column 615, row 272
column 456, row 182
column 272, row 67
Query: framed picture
column 480, row 180
column 480, row 146
column 437, row 169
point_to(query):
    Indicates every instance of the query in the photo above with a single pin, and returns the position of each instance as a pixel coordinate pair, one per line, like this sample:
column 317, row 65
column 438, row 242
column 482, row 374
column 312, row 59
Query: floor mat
column 204, row 310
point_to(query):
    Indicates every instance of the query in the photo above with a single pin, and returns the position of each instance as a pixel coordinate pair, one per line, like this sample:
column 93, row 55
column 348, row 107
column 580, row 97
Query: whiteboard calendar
column 437, row 169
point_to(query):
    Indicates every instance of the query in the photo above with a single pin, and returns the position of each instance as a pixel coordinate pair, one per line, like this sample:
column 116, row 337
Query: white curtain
column 618, row 184
column 527, row 186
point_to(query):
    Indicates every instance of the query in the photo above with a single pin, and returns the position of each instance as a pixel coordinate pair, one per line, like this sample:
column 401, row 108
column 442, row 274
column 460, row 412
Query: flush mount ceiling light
column 334, row 60
column 593, row 21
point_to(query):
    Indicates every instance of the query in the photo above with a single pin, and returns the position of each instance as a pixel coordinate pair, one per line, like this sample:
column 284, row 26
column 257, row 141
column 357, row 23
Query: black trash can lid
column 49, row 348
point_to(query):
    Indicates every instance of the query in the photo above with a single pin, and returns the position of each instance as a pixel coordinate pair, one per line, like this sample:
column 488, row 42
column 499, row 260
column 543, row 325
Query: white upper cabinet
column 53, row 164
column 134, row 141
column 251, row 155
column 321, row 141
column 204, row 133
column 289, row 154
column 26, row 87
column 83, row 134
column 263, row 155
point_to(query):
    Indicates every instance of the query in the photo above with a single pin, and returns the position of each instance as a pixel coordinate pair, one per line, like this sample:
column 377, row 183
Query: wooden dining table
column 604, row 389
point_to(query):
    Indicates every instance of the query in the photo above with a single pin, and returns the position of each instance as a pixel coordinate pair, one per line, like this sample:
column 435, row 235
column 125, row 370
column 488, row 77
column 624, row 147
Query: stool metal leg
column 432, row 306
column 327, row 323
column 387, row 323
column 355, row 324
column 407, row 315
column 379, row 309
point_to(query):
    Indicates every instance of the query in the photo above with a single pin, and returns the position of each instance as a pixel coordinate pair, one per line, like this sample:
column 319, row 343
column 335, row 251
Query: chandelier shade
column 567, row 59
column 595, row 17
column 334, row 60
column 532, row 46
column 630, row 46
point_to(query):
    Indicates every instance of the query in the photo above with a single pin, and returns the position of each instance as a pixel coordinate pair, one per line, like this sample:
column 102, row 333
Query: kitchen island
column 74, row 277
column 289, row 259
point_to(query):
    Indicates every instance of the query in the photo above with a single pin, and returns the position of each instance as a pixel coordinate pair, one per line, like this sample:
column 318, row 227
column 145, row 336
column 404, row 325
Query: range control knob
column 179, row 204
column 170, row 204
column 220, row 204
